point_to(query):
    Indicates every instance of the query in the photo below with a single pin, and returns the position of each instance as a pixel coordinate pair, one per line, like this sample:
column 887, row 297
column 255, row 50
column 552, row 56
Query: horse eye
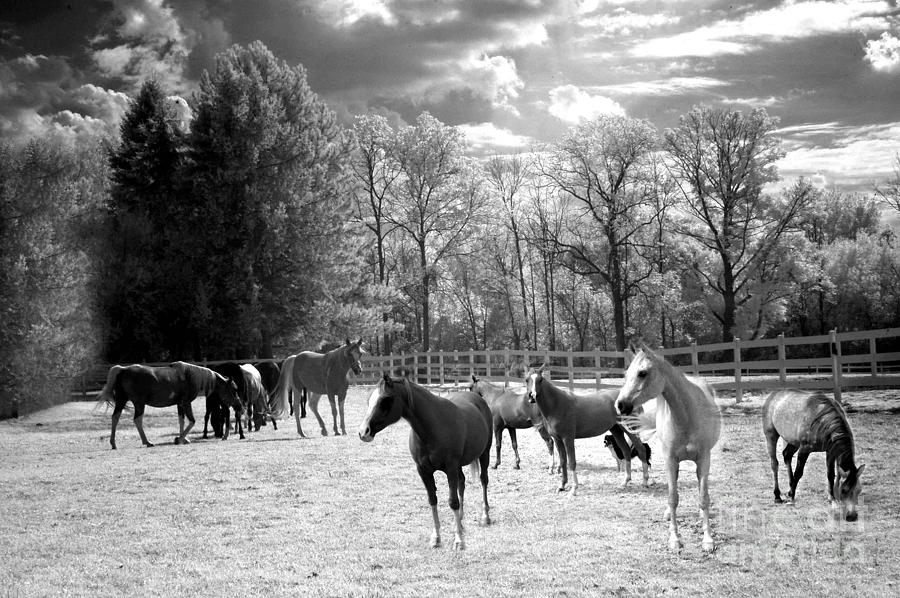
column 642, row 374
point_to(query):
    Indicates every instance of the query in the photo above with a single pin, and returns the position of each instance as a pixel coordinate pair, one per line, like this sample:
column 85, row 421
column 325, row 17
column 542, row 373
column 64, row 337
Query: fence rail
column 835, row 361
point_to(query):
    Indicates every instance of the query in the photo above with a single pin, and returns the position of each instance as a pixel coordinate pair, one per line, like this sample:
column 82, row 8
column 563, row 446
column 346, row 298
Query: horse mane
column 832, row 425
column 201, row 379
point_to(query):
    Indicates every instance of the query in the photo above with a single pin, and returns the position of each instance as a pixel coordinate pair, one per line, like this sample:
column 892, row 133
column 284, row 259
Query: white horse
column 687, row 422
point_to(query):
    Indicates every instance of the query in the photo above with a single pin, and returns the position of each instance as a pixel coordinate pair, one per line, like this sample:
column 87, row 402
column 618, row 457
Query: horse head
column 846, row 490
column 533, row 380
column 354, row 352
column 228, row 391
column 385, row 407
column 644, row 380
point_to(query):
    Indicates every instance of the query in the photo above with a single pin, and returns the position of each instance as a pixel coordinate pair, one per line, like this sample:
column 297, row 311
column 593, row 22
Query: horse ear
column 628, row 354
column 347, row 341
column 386, row 379
column 859, row 470
column 474, row 379
column 358, row 341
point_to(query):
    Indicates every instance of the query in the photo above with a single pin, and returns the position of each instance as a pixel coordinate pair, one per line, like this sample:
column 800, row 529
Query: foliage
column 48, row 330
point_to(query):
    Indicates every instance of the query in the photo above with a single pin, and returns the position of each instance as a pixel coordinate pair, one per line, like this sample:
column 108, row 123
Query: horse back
column 154, row 386
column 311, row 372
column 792, row 414
column 476, row 420
column 594, row 414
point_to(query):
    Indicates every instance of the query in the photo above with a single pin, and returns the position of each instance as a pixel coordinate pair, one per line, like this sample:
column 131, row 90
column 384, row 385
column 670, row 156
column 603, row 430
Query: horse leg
column 619, row 439
column 485, row 461
column 515, row 445
column 703, row 487
column 772, row 442
column 453, row 480
column 139, row 422
column 334, row 415
column 239, row 422
column 226, row 422
column 788, row 455
column 341, row 399
column 431, row 489
column 298, row 415
column 570, row 458
column 314, row 406
column 672, row 475
column 802, row 456
column 498, row 440
column 183, row 412
column 563, row 474
column 304, row 398
column 117, row 412
column 642, row 449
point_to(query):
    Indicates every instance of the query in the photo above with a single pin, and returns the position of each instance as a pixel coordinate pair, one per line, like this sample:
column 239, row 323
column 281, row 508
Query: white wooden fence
column 835, row 361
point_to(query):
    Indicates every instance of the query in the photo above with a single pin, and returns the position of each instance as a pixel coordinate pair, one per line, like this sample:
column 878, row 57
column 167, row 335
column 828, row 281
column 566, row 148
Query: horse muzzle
column 624, row 407
column 365, row 433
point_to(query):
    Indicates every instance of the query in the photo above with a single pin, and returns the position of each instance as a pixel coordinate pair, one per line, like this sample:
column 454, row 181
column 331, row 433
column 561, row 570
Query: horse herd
column 449, row 432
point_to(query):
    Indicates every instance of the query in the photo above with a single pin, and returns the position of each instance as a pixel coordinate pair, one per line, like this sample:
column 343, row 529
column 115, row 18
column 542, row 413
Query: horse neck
column 420, row 411
column 837, row 437
column 678, row 395
column 549, row 397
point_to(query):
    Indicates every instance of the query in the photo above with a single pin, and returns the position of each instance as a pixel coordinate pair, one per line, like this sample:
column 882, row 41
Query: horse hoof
column 485, row 520
column 459, row 545
column 675, row 544
column 708, row 545
column 324, row 432
column 778, row 500
column 495, row 465
column 435, row 541
column 516, row 466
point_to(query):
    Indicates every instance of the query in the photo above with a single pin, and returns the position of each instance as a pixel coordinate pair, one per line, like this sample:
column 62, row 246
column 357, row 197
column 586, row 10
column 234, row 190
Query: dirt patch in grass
column 276, row 515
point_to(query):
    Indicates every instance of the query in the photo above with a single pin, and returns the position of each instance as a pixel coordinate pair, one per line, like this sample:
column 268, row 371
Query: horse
column 610, row 443
column 510, row 411
column 446, row 433
column 687, row 422
column 568, row 416
column 813, row 422
column 320, row 374
column 255, row 397
column 217, row 412
column 176, row 384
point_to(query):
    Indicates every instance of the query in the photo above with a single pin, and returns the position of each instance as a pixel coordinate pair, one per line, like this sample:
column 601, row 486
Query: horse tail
column 642, row 425
column 278, row 400
column 107, row 395
column 474, row 470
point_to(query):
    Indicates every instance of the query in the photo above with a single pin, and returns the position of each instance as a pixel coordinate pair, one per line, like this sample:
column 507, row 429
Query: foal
column 446, row 433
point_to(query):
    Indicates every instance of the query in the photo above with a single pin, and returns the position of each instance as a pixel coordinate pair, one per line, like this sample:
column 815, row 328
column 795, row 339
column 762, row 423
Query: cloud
column 154, row 45
column 857, row 157
column 792, row 20
column 487, row 138
column 884, row 53
column 664, row 87
column 573, row 105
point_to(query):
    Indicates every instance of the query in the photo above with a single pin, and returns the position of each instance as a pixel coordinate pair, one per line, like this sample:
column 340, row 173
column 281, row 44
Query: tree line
column 263, row 226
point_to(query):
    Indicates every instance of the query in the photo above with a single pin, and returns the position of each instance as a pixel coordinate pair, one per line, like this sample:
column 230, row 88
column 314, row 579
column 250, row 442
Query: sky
column 512, row 74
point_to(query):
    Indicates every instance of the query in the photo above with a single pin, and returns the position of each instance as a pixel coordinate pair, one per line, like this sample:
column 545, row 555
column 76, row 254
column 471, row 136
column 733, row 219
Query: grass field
column 276, row 515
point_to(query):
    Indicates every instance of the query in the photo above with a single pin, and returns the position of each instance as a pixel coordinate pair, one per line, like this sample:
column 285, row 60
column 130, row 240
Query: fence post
column 782, row 366
column 738, row 392
column 873, row 355
column 506, row 367
column 599, row 373
column 836, row 364
column 695, row 359
column 571, row 364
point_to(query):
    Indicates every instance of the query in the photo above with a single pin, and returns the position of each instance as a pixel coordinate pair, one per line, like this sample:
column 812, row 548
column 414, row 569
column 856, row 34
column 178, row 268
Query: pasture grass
column 276, row 515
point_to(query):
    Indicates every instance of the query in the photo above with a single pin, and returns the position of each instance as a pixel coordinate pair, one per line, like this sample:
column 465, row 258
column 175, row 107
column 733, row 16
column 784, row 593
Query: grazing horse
column 511, row 411
column 615, row 450
column 321, row 375
column 176, row 384
column 446, row 433
column 256, row 398
column 568, row 416
column 217, row 411
column 687, row 422
column 812, row 422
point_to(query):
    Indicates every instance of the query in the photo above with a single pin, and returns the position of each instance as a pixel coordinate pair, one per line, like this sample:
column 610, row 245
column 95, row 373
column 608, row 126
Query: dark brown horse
column 568, row 416
column 446, row 434
column 321, row 374
column 176, row 384
column 813, row 422
column 510, row 411
column 217, row 410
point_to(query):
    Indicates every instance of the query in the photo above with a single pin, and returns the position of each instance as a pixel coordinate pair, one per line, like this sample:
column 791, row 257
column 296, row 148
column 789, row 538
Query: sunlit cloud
column 884, row 53
column 487, row 137
column 573, row 105
column 792, row 20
